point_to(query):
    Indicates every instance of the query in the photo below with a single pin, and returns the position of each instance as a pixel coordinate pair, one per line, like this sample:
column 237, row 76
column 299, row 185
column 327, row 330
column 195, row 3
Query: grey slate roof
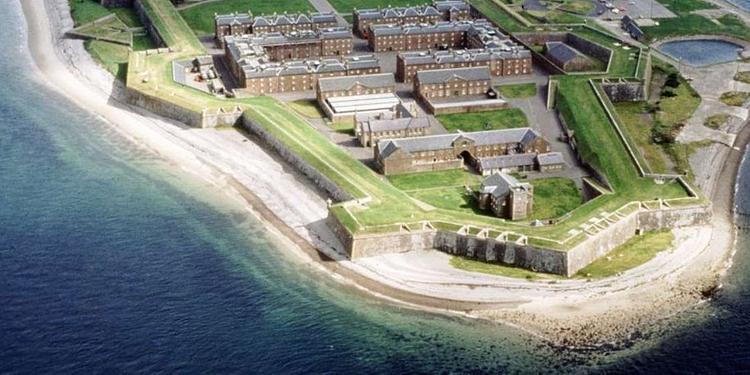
column 463, row 55
column 561, row 51
column 500, row 184
column 347, row 82
column 507, row 161
column 228, row 19
column 477, row 73
column 400, row 12
column 403, row 123
column 451, row 4
column 445, row 141
column 550, row 158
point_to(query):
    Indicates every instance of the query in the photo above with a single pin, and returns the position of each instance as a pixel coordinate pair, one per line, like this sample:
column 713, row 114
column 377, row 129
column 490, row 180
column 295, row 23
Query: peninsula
column 556, row 169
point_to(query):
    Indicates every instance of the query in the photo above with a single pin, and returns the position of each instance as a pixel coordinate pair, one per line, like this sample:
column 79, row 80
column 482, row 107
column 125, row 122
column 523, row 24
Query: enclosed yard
column 490, row 120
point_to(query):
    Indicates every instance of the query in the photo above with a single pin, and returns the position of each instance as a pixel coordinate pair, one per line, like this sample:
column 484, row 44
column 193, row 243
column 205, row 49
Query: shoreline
column 309, row 245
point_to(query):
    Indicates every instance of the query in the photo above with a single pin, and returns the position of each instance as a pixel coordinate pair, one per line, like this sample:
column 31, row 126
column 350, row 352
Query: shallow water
column 701, row 52
column 111, row 260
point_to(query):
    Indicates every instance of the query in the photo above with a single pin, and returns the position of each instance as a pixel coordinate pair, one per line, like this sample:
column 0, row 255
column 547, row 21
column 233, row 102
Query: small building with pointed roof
column 505, row 197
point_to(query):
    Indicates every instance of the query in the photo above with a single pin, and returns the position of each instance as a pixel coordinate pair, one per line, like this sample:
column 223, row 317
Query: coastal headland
column 570, row 312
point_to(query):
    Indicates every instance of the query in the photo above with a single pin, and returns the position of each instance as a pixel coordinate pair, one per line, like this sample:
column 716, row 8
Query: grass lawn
column 674, row 106
column 346, row 127
column 113, row 57
column 716, row 121
column 582, row 7
column 520, row 90
column 110, row 29
column 453, row 199
column 493, row 12
column 554, row 197
column 308, row 108
column 200, row 18
column 429, row 180
column 346, row 6
column 472, row 265
column 687, row 23
column 85, row 11
column 743, row 77
column 638, row 250
column 478, row 121
column 735, row 98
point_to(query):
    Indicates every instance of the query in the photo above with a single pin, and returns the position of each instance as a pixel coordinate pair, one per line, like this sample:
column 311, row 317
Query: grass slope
column 85, row 11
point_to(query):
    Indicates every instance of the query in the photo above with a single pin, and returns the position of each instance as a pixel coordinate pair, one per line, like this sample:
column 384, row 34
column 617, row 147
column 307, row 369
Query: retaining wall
column 117, row 3
column 334, row 191
column 153, row 32
column 624, row 91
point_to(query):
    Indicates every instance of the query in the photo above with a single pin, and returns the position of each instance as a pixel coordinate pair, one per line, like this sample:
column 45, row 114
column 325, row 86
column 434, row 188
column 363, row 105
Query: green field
column 519, row 90
column 554, row 197
column 85, row 11
column 128, row 16
column 200, row 18
column 346, row 6
column 687, row 23
column 429, row 180
column 636, row 251
column 478, row 121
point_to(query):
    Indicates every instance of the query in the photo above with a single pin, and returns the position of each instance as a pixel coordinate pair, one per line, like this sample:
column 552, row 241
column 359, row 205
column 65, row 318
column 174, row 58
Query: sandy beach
column 568, row 312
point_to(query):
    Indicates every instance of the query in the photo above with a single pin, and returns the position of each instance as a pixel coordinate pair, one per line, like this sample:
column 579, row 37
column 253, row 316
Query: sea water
column 702, row 52
column 112, row 260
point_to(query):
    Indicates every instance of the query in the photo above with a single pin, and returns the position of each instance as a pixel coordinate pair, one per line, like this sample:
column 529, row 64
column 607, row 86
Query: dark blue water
column 111, row 260
column 701, row 52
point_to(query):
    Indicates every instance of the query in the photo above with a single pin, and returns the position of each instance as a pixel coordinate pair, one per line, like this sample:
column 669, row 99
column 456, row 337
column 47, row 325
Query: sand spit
column 569, row 312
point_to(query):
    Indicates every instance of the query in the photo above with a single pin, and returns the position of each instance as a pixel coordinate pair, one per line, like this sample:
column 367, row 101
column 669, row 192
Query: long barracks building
column 267, row 64
column 452, row 151
column 244, row 23
column 506, row 61
column 440, row 36
column 451, row 10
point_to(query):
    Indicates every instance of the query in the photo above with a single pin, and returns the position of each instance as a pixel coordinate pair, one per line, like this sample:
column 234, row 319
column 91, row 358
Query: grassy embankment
column 200, row 18
column 85, row 11
column 518, row 90
column 112, row 56
column 688, row 23
column 490, row 120
column 553, row 197
column 653, row 125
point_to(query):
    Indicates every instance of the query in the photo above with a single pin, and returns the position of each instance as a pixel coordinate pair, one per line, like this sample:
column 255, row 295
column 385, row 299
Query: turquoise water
column 701, row 52
column 112, row 260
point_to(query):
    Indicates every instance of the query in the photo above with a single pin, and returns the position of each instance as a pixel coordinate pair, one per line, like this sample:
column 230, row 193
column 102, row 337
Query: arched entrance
column 469, row 160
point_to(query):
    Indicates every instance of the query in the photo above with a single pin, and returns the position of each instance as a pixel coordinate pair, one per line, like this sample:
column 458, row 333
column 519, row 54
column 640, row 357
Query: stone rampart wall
column 626, row 91
column 164, row 108
column 153, row 32
column 334, row 191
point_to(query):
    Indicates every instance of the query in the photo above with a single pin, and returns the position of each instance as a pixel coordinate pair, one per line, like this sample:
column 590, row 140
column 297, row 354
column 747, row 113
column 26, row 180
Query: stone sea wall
column 334, row 191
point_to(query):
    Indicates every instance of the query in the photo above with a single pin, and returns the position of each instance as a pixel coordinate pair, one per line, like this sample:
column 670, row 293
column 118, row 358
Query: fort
column 437, row 59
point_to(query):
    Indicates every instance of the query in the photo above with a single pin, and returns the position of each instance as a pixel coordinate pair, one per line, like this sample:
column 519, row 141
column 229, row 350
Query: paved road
column 325, row 6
